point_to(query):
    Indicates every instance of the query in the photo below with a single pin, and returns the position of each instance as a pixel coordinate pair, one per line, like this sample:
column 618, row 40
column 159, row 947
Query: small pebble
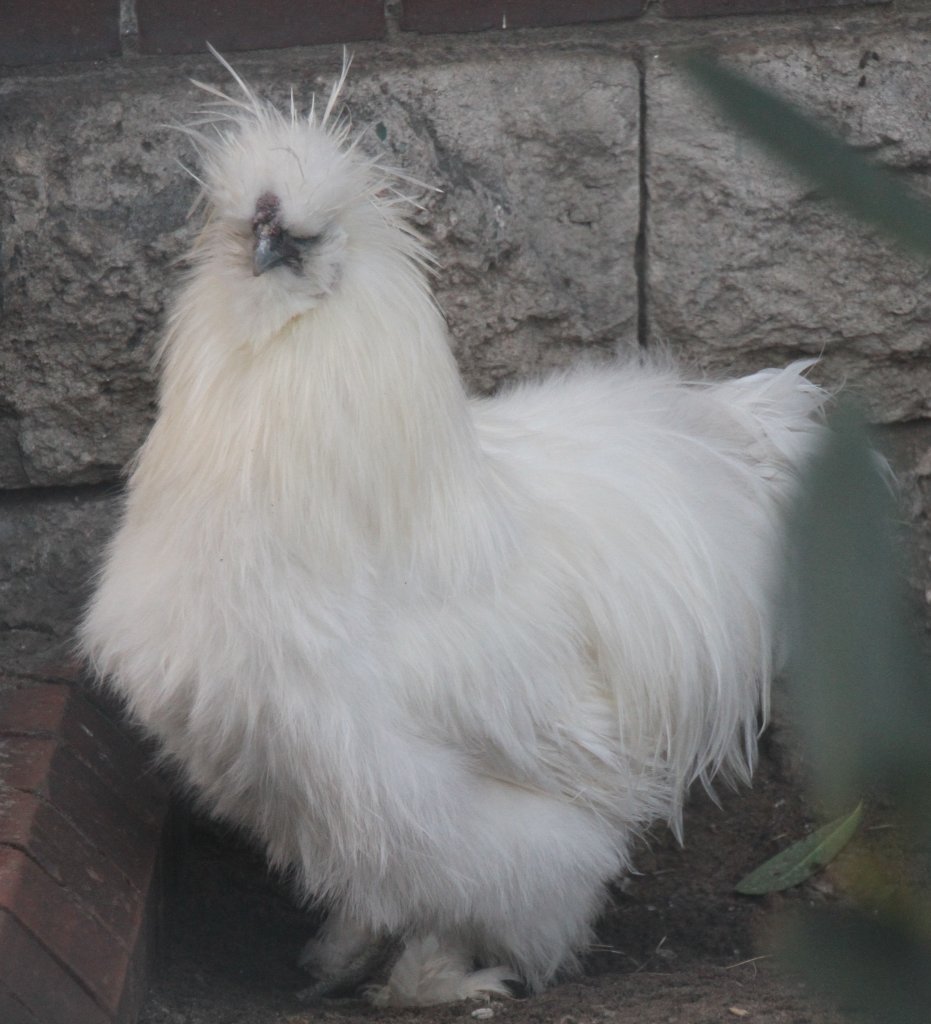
column 738, row 1011
column 483, row 1013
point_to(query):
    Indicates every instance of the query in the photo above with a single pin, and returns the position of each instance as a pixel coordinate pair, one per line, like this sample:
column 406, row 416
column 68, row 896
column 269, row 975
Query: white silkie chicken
column 446, row 657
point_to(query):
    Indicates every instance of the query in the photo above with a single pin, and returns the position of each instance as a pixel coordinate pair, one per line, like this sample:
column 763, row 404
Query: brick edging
column 69, row 30
column 82, row 827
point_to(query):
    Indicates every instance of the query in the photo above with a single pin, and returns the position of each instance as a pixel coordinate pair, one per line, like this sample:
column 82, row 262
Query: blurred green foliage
column 869, row 191
column 856, row 675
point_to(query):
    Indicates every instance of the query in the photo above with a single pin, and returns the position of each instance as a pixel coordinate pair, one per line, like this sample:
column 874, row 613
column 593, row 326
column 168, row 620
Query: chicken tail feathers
column 783, row 408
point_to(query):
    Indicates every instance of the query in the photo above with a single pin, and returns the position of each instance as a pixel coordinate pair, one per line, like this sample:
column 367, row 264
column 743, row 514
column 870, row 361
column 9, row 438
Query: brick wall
column 81, row 830
column 44, row 31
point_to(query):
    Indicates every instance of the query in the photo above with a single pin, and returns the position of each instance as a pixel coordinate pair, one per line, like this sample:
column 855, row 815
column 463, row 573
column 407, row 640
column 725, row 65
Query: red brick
column 61, row 670
column 147, row 932
column 81, row 826
column 186, row 26
column 12, row 1011
column 120, row 762
column 44, row 31
column 44, row 767
column 33, row 979
column 74, row 672
column 456, row 16
column 703, row 8
column 64, row 927
column 30, row 824
column 25, row 762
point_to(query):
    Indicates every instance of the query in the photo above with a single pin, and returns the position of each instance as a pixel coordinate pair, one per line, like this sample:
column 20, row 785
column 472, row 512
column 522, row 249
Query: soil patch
column 676, row 945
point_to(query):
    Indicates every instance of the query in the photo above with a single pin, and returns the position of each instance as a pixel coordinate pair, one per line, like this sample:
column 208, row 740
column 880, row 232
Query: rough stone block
column 536, row 154
column 49, row 547
column 535, row 222
column 93, row 214
column 749, row 266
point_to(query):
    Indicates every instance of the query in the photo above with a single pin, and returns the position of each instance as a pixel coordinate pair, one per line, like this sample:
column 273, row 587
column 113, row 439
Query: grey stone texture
column 535, row 225
column 93, row 214
column 748, row 265
column 559, row 235
column 50, row 545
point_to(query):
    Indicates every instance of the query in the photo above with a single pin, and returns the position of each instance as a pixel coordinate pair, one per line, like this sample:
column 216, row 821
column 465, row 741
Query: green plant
column 856, row 675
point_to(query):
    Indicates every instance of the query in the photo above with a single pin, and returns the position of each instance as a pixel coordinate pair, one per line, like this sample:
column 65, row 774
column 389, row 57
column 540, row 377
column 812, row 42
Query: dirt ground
column 676, row 946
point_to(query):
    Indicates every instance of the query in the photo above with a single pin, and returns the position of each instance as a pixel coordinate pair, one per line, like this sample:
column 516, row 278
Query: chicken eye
column 306, row 241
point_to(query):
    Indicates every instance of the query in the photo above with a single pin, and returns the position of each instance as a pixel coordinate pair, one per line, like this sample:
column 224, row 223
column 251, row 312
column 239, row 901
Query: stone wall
column 588, row 198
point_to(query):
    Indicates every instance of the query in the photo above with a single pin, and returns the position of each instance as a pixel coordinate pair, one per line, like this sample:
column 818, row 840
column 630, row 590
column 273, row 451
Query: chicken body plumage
column 445, row 657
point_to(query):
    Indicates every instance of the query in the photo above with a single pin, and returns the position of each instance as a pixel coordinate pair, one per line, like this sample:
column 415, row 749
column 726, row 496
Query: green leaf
column 854, row 670
column 802, row 859
column 864, row 189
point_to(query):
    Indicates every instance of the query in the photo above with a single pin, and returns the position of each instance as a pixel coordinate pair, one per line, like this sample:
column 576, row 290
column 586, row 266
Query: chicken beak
column 268, row 252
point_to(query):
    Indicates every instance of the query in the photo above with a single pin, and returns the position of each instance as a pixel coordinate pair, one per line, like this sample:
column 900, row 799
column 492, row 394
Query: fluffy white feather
column 445, row 657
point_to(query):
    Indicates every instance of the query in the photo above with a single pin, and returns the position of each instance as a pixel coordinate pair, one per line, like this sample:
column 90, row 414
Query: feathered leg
column 342, row 956
column 431, row 970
